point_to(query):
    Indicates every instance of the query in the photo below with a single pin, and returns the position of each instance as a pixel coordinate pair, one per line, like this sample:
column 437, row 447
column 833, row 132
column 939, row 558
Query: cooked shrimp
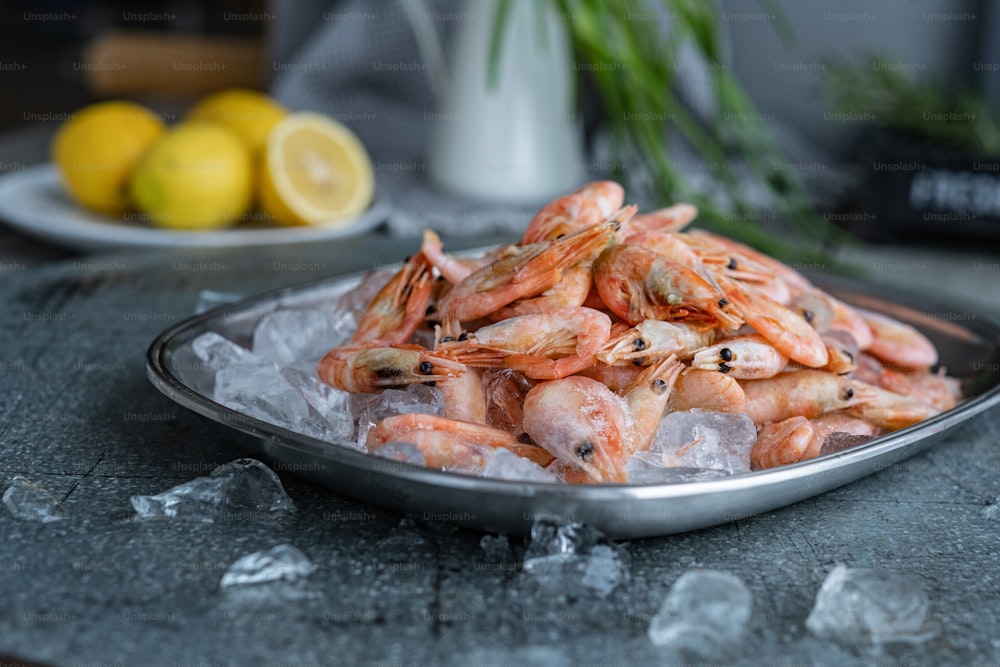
column 709, row 390
column 637, row 284
column 806, row 393
column 846, row 318
column 842, row 350
column 651, row 340
column 449, row 443
column 795, row 281
column 565, row 215
column 888, row 410
column 463, row 395
column 608, row 195
column 781, row 443
column 898, row 343
column 835, row 422
column 670, row 219
column 617, row 378
column 454, row 268
column 399, row 307
column 786, row 330
column 743, row 357
column 571, row 291
column 647, row 398
column 366, row 369
column 816, row 307
column 935, row 389
column 524, row 272
column 542, row 346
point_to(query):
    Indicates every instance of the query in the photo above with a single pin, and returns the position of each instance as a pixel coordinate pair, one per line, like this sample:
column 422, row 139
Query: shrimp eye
column 616, row 224
column 725, row 368
column 463, row 336
column 639, row 361
column 850, row 357
column 848, row 393
column 585, row 450
column 723, row 303
column 430, row 310
column 639, row 345
column 732, row 263
column 559, row 236
column 659, row 386
column 426, row 367
column 726, row 354
column 808, row 315
column 447, row 339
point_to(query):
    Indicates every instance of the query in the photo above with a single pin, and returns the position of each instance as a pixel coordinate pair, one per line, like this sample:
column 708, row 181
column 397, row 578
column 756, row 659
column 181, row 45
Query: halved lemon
column 315, row 171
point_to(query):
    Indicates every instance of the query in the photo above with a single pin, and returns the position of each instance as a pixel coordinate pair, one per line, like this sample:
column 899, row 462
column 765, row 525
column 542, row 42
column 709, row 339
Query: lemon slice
column 315, row 172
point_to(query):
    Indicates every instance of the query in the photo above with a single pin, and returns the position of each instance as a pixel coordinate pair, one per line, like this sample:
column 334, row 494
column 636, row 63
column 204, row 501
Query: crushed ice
column 705, row 439
column 706, row 613
column 209, row 299
column 562, row 557
column 30, row 502
column 244, row 488
column 279, row 563
column 868, row 608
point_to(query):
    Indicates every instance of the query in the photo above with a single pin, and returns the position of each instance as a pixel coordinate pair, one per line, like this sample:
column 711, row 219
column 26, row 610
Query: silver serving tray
column 969, row 347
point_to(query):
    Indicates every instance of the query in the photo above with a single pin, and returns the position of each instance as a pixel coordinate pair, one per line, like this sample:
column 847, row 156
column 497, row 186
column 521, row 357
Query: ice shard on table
column 279, row 563
column 244, row 488
column 30, row 502
column 867, row 608
column 705, row 613
column 567, row 556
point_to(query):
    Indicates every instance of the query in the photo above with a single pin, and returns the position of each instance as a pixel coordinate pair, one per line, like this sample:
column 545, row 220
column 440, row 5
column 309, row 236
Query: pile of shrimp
column 568, row 347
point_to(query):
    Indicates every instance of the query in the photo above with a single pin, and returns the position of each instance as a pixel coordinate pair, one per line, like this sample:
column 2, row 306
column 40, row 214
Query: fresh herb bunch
column 638, row 91
column 896, row 100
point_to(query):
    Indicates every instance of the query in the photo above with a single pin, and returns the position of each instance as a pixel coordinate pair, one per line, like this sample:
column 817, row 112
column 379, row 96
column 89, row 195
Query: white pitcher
column 518, row 140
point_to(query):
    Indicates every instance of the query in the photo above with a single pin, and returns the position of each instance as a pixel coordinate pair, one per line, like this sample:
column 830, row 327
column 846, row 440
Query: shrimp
column 842, row 350
column 743, row 357
column 651, row 340
column 709, row 390
column 637, row 284
column 565, row 215
column 670, row 219
column 781, row 443
column 806, row 393
column 887, row 409
column 569, row 292
column 846, row 319
column 935, row 389
column 449, row 443
column 542, row 346
column 898, row 343
column 795, row 281
column 463, row 395
column 582, row 423
column 647, row 397
column 816, row 307
column 608, row 195
column 786, row 330
column 399, row 307
column 617, row 378
column 363, row 368
column 524, row 272
column 453, row 267
column 832, row 423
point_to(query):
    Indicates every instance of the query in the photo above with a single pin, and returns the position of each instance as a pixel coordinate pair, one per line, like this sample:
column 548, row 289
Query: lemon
column 315, row 171
column 96, row 150
column 198, row 176
column 249, row 113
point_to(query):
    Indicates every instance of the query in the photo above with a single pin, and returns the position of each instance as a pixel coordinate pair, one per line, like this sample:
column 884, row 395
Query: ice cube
column 868, row 608
column 992, row 512
column 279, row 563
column 209, row 299
column 330, row 407
column 705, row 613
column 286, row 336
column 217, row 352
column 706, row 439
column 258, row 390
column 356, row 301
column 244, row 487
column 650, row 468
column 416, row 398
column 505, row 464
column 30, row 502
column 563, row 557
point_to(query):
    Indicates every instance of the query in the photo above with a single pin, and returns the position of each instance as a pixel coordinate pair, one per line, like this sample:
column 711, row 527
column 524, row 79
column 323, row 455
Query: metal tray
column 968, row 344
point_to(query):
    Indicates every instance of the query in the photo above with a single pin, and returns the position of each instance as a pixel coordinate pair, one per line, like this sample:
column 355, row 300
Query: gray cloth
column 362, row 66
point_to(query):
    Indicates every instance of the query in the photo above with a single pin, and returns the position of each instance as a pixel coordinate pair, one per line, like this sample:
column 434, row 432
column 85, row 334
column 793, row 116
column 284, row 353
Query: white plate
column 34, row 201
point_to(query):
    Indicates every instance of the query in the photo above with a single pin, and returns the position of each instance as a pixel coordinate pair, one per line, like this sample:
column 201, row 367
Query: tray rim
column 894, row 446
